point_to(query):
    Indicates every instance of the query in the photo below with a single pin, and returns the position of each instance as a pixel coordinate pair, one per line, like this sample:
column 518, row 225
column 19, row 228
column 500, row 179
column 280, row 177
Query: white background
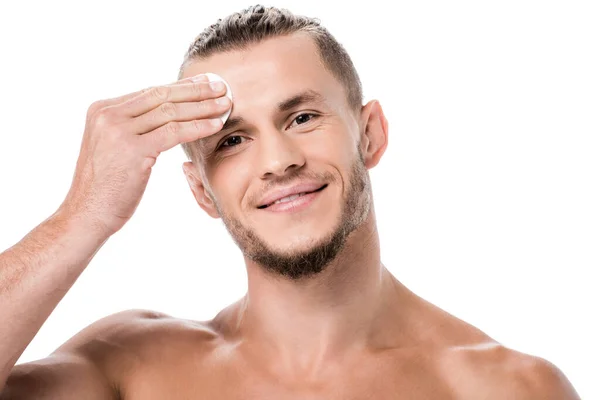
column 487, row 198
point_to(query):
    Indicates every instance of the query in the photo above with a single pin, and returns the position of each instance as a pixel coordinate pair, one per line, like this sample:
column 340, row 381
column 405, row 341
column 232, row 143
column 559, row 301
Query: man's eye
column 302, row 118
column 234, row 140
column 231, row 141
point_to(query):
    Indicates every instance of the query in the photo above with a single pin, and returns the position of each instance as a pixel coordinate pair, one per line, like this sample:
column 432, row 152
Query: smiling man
column 287, row 173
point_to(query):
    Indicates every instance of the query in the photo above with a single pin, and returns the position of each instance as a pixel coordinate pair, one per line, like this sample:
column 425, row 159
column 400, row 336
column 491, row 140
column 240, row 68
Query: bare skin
column 351, row 331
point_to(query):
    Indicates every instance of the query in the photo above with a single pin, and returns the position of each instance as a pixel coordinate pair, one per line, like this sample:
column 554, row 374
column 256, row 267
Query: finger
column 129, row 96
column 176, row 132
column 187, row 111
column 186, row 92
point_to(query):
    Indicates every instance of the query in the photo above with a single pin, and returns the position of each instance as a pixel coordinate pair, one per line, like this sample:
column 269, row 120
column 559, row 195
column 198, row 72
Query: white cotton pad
column 214, row 77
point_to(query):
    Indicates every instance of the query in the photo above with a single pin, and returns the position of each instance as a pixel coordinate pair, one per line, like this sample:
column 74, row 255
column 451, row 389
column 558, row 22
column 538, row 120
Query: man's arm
column 122, row 139
column 35, row 274
column 60, row 376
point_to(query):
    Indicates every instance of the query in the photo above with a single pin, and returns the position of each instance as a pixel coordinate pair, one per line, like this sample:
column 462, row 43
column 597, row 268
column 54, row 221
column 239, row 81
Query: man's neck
column 310, row 323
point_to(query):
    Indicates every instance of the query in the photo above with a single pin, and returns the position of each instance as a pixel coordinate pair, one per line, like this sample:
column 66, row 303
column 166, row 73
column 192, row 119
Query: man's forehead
column 287, row 60
column 275, row 50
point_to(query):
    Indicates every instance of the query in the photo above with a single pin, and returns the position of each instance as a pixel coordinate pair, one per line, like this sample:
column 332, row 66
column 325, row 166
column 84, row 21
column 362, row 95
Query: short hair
column 254, row 24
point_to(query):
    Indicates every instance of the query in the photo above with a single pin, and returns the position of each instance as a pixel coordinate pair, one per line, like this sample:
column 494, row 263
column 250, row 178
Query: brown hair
column 254, row 24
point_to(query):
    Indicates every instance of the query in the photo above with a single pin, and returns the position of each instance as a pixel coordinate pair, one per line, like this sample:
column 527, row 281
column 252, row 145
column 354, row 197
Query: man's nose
column 279, row 153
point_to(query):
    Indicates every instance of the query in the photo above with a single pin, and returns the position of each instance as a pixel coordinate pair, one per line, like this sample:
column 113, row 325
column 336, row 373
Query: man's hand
column 124, row 136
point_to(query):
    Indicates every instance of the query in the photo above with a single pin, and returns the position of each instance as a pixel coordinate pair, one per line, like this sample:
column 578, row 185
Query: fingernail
column 222, row 100
column 216, row 86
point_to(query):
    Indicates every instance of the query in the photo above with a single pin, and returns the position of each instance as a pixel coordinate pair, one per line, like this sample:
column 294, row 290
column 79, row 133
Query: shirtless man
column 323, row 318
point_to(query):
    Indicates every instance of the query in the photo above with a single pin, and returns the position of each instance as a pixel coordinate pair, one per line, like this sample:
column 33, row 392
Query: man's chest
column 237, row 391
column 235, row 383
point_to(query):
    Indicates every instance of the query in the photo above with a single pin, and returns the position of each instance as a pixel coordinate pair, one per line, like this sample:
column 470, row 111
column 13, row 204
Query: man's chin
column 296, row 257
column 293, row 245
column 299, row 247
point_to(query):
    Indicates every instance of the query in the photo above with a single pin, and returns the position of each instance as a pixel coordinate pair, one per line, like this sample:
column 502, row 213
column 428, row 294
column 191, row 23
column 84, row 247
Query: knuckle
column 209, row 106
column 103, row 117
column 200, row 89
column 95, row 107
column 160, row 93
column 168, row 109
column 173, row 128
column 149, row 162
column 197, row 125
column 201, row 126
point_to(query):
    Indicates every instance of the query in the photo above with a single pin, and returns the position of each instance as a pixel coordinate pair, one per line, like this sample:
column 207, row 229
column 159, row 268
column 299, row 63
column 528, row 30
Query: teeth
column 289, row 198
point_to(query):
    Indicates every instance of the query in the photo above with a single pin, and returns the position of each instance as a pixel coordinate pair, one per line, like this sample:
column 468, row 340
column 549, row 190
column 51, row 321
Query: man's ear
column 200, row 191
column 374, row 133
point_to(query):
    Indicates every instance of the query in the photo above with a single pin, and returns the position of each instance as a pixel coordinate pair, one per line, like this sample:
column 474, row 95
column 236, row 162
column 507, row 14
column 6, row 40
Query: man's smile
column 300, row 197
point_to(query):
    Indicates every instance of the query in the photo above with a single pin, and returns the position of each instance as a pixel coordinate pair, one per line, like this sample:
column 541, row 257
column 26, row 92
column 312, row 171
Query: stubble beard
column 305, row 263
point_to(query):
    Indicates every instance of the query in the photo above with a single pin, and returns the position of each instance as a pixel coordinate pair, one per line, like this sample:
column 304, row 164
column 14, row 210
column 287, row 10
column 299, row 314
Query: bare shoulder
column 128, row 334
column 86, row 364
column 492, row 371
column 123, row 344
column 110, row 330
column 475, row 366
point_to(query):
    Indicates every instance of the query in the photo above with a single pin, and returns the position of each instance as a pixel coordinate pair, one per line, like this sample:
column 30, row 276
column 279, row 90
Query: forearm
column 35, row 274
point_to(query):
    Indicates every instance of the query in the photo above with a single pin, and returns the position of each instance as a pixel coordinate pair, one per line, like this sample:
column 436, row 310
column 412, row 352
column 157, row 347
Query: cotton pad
column 213, row 78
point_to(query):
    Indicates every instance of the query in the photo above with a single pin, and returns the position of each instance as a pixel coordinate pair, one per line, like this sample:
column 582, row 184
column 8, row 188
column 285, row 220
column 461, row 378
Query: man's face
column 275, row 145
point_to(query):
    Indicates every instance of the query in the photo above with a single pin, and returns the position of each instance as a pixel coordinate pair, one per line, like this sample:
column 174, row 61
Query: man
column 288, row 174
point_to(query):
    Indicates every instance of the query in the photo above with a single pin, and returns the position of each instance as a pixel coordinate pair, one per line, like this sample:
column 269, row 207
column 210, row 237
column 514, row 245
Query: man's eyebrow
column 232, row 123
column 307, row 96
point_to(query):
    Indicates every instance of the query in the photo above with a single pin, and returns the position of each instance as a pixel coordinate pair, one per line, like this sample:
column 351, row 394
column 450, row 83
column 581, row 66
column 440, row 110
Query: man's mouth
column 291, row 197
